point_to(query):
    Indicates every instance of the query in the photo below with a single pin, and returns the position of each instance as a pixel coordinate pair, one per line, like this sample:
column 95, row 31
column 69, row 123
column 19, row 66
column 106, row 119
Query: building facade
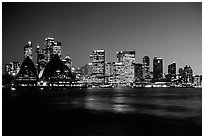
column 97, row 60
column 108, row 68
column 127, row 58
column 138, row 72
column 146, row 68
column 118, row 73
column 28, row 50
column 12, row 68
column 44, row 55
column 188, row 74
column 172, row 71
column 158, row 68
column 198, row 80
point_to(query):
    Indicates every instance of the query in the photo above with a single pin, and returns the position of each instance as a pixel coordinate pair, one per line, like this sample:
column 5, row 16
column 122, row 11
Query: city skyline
column 91, row 26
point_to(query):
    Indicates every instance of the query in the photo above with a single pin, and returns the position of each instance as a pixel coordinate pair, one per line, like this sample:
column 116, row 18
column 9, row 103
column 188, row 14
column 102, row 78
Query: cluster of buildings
column 125, row 71
column 52, row 68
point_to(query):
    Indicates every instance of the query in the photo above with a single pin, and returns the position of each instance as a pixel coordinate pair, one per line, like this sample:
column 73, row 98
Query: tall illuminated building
column 198, row 80
column 49, row 42
column 158, row 68
column 118, row 73
column 44, row 55
column 97, row 60
column 181, row 72
column 146, row 68
column 89, row 69
column 127, row 58
column 51, row 48
column 188, row 74
column 138, row 72
column 56, row 49
column 172, row 71
column 108, row 68
column 86, row 70
column 28, row 50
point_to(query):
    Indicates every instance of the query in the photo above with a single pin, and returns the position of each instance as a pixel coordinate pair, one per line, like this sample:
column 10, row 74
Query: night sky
column 172, row 31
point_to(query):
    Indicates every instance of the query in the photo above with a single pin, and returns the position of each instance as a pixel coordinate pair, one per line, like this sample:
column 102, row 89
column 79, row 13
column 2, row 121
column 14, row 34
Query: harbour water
column 102, row 111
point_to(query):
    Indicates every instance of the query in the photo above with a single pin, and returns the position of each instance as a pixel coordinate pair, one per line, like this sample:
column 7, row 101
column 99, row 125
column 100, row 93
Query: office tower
column 56, row 49
column 188, row 74
column 44, row 55
column 89, row 69
column 157, row 68
column 28, row 50
column 108, row 68
column 108, row 72
column 138, row 72
column 172, row 71
column 97, row 59
column 181, row 72
column 84, row 70
column 146, row 68
column 127, row 58
column 49, row 42
column 198, row 80
column 118, row 73
column 52, row 48
column 120, row 56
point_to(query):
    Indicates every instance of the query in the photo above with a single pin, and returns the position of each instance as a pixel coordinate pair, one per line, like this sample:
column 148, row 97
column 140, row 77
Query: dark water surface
column 98, row 112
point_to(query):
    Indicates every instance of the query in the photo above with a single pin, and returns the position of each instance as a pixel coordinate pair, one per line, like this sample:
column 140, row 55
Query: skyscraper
column 157, row 68
column 172, row 71
column 118, row 73
column 146, row 67
column 138, row 72
column 97, row 58
column 188, row 74
column 28, row 50
column 44, row 55
column 127, row 58
column 56, row 49
column 108, row 68
column 181, row 72
column 49, row 42
column 51, row 48
column 89, row 69
column 198, row 80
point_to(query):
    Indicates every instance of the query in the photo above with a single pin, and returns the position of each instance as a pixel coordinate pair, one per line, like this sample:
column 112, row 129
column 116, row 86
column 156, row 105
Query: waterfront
column 102, row 111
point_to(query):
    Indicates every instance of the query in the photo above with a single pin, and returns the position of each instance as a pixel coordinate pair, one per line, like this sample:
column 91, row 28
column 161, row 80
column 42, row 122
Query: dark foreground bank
column 81, row 123
column 30, row 116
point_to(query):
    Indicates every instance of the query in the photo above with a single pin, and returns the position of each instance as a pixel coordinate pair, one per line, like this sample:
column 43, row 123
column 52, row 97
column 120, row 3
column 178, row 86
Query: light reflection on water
column 180, row 103
column 162, row 103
